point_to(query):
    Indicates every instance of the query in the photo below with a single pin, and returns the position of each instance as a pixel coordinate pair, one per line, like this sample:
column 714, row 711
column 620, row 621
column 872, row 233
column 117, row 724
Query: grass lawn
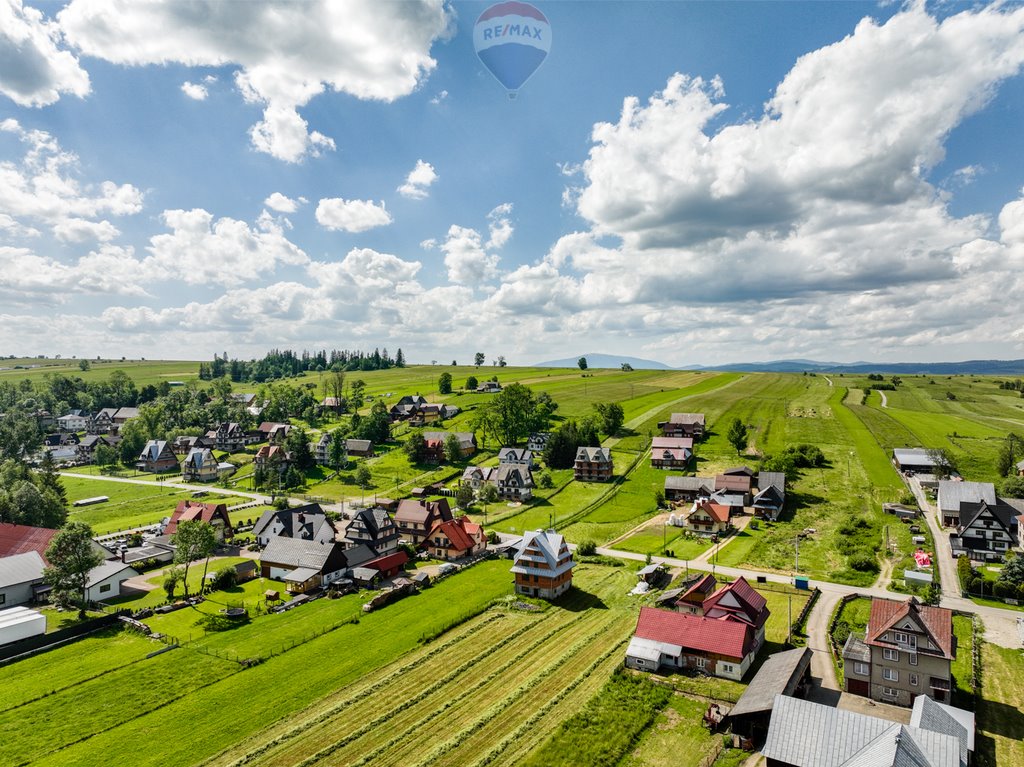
column 69, row 665
column 1000, row 713
column 854, row 614
column 60, row 619
column 142, row 372
column 677, row 738
column 654, row 539
column 963, row 695
column 130, row 505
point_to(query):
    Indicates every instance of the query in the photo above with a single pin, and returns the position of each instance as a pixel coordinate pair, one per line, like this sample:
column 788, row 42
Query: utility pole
column 789, row 637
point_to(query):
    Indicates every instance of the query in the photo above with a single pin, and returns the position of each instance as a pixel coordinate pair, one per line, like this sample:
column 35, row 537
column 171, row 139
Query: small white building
column 106, row 579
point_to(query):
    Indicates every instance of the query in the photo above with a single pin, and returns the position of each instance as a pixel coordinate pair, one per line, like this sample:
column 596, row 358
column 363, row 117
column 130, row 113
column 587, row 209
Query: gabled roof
column 594, row 454
column 477, row 473
column 106, row 569
column 358, row 445
column 465, row 438
column 914, row 456
column 462, row 533
column 929, row 714
column 738, row 601
column 737, row 483
column 936, row 622
column 771, row 497
column 545, row 546
column 21, row 568
column 694, row 632
column 687, row 418
column 671, row 443
column 295, row 552
column 953, row 493
column 739, row 471
column 154, row 449
column 420, row 511
column 1002, row 512
column 19, row 539
column 716, row 511
column 699, row 590
column 779, row 675
column 198, row 457
column 296, row 522
column 807, row 734
column 776, row 479
column 517, row 454
column 190, row 510
column 382, row 564
column 513, row 472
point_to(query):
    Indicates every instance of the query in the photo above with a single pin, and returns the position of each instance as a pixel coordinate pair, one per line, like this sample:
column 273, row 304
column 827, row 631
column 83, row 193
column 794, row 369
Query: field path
column 884, row 575
column 828, row 379
column 885, row 402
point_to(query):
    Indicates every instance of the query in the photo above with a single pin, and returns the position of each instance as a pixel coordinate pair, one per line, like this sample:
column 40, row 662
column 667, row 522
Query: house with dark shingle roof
column 304, row 565
column 157, row 456
column 542, row 565
column 593, row 464
column 415, row 518
column 688, row 488
column 307, row 522
column 200, row 466
column 986, row 531
column 771, row 494
column 374, row 528
column 906, row 651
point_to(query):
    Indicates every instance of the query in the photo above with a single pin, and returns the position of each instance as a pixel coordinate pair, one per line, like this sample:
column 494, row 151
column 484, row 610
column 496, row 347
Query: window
column 890, row 675
column 913, row 680
column 889, row 692
column 891, row 654
column 701, row 662
column 913, row 659
column 860, row 668
column 727, row 668
column 3, row 598
column 104, row 588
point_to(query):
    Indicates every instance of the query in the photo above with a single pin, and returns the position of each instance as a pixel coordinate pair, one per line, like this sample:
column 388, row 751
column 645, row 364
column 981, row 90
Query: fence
column 713, row 754
column 797, row 628
column 45, row 642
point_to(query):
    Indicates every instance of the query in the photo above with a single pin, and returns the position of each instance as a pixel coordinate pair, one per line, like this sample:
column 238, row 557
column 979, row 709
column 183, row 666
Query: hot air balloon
column 512, row 40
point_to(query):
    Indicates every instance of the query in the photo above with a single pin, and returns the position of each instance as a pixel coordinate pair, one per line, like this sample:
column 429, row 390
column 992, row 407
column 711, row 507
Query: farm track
column 547, row 654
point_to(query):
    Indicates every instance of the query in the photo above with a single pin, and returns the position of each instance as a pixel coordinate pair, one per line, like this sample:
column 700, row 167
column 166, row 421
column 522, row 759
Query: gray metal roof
column 110, row 567
column 779, row 675
column 807, row 734
column 695, row 484
column 929, row 714
column 21, row 568
column 855, row 649
column 297, row 553
column 776, row 479
column 913, row 456
column 953, row 493
column 301, row 575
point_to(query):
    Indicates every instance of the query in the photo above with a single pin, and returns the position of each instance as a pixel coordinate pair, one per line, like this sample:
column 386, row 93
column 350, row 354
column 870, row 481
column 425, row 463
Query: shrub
column 864, row 563
column 841, row 632
column 224, row 578
column 587, row 549
column 544, row 481
column 1003, row 590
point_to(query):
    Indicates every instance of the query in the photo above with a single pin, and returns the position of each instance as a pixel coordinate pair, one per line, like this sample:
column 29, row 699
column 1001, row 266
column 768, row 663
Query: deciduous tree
column 582, row 362
column 193, row 540
column 610, row 415
column 444, row 383
column 737, row 435
column 72, row 556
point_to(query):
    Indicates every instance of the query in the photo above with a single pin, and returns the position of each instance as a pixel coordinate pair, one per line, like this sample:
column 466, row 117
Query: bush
column 1003, row 590
column 224, row 578
column 544, row 481
column 864, row 563
column 587, row 549
column 841, row 632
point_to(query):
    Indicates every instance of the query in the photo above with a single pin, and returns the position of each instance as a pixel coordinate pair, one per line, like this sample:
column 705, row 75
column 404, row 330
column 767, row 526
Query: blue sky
column 690, row 182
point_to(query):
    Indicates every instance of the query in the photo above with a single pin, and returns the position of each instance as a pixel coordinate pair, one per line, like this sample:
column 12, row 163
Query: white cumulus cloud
column 194, row 91
column 337, row 214
column 418, row 181
column 34, row 69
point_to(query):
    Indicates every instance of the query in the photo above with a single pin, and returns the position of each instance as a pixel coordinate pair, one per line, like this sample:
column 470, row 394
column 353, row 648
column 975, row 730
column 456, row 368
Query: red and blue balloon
column 512, row 40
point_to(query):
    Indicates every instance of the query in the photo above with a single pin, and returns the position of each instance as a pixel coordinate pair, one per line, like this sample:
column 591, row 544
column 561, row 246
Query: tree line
column 285, row 363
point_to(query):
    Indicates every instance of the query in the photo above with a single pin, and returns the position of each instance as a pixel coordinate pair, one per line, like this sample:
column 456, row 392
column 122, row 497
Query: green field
column 142, row 372
column 130, row 505
column 1000, row 713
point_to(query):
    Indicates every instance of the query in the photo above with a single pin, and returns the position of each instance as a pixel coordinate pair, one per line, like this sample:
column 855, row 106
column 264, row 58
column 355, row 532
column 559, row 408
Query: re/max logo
column 509, row 30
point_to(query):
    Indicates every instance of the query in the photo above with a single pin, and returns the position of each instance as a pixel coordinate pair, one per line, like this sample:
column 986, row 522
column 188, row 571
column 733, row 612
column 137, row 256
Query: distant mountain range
column 968, row 367
column 606, row 361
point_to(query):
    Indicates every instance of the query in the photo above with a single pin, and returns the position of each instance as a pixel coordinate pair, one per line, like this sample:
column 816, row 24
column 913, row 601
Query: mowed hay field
column 433, row 679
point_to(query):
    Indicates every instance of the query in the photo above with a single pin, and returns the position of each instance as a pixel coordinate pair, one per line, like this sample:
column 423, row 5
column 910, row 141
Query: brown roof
column 421, row 511
column 190, row 510
column 936, row 621
column 735, row 482
column 462, row 533
column 21, row 539
column 698, row 591
column 716, row 511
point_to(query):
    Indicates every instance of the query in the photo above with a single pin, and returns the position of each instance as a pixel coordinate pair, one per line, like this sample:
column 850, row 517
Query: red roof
column 462, row 533
column 189, row 510
column 390, row 562
column 21, row 539
column 671, row 443
column 752, row 607
column 695, row 632
column 936, row 621
column 734, row 482
column 716, row 511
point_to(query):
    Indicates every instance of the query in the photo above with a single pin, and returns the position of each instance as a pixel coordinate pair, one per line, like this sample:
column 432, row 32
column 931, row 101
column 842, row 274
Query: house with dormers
column 455, row 538
column 477, row 476
column 406, row 407
column 517, row 455
column 229, row 437
column 683, row 425
column 671, row 452
column 906, row 651
column 373, row 528
column 542, row 565
column 415, row 518
column 953, row 494
column 513, row 481
column 986, row 531
column 706, row 517
column 216, row 514
column 157, row 456
column 200, row 466
column 593, row 464
column 307, row 523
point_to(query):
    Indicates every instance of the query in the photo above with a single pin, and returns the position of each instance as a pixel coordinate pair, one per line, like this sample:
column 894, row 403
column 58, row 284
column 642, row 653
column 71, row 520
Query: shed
column 914, row 576
column 784, row 673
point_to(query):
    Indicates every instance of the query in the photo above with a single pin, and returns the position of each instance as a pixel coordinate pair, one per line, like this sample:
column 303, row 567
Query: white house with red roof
column 665, row 639
column 733, row 618
column 455, row 538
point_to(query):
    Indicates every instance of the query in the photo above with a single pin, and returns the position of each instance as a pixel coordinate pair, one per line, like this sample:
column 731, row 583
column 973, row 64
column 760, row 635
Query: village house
column 455, row 538
column 272, row 456
column 803, row 733
column 374, row 528
column 671, row 452
column 675, row 641
column 216, row 514
column 986, row 531
column 200, row 466
column 477, row 476
column 683, row 425
column 954, row 493
column 593, row 464
column 542, row 565
column 513, row 481
column 690, row 599
column 688, row 488
column 488, row 387
column 76, row 420
column 771, row 495
column 517, row 455
column 537, row 441
column 307, row 523
column 229, row 437
column 304, row 565
column 157, row 457
column 467, row 441
column 322, row 450
column 360, row 448
column 706, row 518
column 416, row 518
column 183, row 444
column 907, row 651
column 86, row 449
column 406, row 407
column 738, row 481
